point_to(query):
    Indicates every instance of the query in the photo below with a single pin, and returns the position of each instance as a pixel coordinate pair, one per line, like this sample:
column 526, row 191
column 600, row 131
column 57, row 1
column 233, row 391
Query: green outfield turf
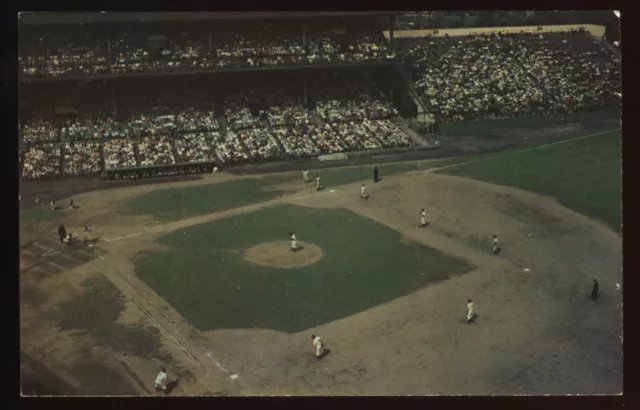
column 41, row 214
column 179, row 203
column 584, row 174
column 204, row 276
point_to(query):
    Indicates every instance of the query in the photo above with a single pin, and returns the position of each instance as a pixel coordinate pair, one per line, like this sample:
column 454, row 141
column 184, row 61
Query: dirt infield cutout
column 278, row 255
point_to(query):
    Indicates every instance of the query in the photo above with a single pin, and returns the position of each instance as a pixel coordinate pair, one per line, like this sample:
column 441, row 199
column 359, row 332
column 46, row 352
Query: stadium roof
column 33, row 18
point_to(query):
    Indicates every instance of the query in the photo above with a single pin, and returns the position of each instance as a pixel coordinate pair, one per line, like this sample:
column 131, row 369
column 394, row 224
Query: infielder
column 161, row 381
column 495, row 244
column 317, row 346
column 305, row 176
column 317, row 182
column 363, row 192
column 53, row 205
column 294, row 243
column 423, row 218
column 470, row 310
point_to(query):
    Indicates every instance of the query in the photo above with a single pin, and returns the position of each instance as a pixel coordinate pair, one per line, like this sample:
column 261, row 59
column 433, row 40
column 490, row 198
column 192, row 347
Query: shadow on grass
column 95, row 312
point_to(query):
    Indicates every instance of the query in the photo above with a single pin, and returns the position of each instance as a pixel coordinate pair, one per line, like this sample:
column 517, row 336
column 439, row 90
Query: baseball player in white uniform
column 317, row 346
column 317, row 182
column 305, row 176
column 53, row 205
column 363, row 191
column 423, row 218
column 470, row 310
column 161, row 380
column 294, row 243
column 495, row 244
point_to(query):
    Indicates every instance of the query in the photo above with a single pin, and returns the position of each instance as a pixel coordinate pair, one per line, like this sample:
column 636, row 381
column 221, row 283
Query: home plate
column 234, row 376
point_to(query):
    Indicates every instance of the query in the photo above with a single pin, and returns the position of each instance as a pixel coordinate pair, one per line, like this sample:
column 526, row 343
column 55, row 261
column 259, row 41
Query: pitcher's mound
column 279, row 255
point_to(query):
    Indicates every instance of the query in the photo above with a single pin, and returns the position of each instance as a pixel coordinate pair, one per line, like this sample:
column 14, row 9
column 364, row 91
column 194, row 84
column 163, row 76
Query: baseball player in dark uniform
column 62, row 232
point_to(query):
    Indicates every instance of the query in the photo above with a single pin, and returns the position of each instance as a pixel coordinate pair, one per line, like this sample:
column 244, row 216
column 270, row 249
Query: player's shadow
column 379, row 179
column 171, row 386
column 320, row 188
column 423, row 226
column 497, row 251
column 364, row 197
column 299, row 248
column 474, row 318
column 325, row 353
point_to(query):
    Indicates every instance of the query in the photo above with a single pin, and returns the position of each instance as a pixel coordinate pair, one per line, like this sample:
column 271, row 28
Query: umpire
column 62, row 232
column 375, row 174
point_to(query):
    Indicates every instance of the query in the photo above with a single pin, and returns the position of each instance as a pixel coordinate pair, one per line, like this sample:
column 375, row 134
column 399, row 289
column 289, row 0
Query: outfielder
column 305, row 176
column 317, row 346
column 423, row 218
column 294, row 243
column 495, row 244
column 470, row 310
column 317, row 182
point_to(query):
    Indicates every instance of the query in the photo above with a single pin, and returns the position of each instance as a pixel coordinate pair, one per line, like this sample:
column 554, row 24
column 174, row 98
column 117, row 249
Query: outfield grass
column 95, row 312
column 179, row 203
column 584, row 175
column 40, row 214
column 204, row 276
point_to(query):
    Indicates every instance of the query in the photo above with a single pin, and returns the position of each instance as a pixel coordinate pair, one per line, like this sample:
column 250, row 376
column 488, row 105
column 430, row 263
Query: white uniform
column 470, row 309
column 161, row 381
column 53, row 205
column 363, row 191
column 317, row 182
column 305, row 176
column 317, row 346
column 294, row 243
column 215, row 169
column 495, row 244
column 423, row 218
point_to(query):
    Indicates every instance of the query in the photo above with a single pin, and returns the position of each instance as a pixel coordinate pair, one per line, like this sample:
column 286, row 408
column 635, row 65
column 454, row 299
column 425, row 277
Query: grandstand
column 244, row 97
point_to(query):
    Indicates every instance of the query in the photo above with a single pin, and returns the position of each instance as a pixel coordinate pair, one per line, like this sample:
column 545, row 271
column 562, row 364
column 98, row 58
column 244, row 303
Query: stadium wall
column 595, row 30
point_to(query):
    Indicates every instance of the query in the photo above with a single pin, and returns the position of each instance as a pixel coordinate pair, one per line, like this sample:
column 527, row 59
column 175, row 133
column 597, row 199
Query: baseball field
column 198, row 277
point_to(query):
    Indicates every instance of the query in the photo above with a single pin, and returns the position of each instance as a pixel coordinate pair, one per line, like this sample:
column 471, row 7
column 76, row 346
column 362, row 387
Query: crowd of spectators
column 145, row 51
column 497, row 76
column 82, row 158
column 119, row 153
column 156, row 150
column 38, row 130
column 41, row 160
column 274, row 123
column 196, row 147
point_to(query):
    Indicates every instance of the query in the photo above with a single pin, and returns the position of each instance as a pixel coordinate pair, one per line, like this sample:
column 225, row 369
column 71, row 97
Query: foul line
column 123, row 237
column 490, row 157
